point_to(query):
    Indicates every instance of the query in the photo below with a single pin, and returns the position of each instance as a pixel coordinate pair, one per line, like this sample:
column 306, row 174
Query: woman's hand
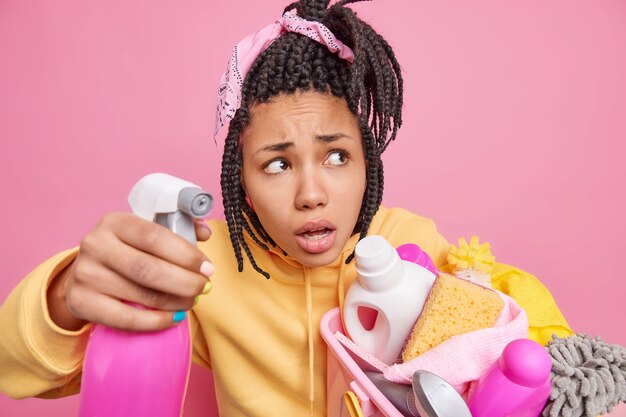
column 128, row 258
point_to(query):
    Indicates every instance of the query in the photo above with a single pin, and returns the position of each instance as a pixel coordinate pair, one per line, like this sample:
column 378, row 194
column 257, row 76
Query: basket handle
column 358, row 402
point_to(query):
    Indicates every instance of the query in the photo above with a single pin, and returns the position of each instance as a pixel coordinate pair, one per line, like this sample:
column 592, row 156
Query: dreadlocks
column 371, row 85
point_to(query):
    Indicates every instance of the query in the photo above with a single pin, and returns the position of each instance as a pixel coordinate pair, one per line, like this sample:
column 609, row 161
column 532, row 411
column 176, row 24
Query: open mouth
column 316, row 237
column 316, row 234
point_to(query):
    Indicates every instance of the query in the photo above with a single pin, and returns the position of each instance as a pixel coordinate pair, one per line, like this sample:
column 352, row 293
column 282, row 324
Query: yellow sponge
column 454, row 306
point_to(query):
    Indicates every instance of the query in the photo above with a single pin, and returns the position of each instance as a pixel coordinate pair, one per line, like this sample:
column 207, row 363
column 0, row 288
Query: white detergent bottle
column 394, row 289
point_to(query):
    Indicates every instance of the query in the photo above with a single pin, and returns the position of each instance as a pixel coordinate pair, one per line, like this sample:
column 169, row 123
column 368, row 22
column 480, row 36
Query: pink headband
column 246, row 51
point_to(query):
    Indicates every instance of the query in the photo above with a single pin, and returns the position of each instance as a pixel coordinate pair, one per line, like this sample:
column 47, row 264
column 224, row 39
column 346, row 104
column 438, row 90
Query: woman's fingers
column 154, row 273
column 111, row 312
column 156, row 240
column 126, row 259
column 146, row 263
column 203, row 231
column 108, row 282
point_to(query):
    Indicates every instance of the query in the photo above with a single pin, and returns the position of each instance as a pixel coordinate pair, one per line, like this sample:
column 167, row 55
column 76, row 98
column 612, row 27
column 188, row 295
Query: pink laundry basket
column 345, row 378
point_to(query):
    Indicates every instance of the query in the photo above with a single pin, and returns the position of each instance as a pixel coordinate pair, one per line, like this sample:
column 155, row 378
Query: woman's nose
column 311, row 191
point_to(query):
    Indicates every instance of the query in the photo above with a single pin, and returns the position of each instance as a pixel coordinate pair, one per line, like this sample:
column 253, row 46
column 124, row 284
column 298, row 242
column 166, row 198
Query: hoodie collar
column 339, row 265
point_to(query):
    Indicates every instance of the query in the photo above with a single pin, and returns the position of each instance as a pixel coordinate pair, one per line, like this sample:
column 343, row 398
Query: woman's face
column 304, row 172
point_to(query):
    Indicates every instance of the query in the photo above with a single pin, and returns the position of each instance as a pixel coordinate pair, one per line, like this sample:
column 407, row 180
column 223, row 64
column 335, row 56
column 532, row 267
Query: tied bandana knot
column 246, row 51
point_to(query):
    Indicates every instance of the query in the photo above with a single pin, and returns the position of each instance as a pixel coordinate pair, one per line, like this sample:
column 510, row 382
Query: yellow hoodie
column 260, row 337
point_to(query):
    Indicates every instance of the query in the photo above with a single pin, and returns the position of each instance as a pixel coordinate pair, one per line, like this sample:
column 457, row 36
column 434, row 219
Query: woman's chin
column 314, row 260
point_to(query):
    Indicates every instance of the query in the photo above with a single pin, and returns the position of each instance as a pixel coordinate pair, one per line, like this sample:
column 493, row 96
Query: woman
column 311, row 103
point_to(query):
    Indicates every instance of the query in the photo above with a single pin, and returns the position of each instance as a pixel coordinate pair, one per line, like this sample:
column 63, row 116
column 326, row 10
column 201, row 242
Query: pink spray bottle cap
column 412, row 253
column 526, row 363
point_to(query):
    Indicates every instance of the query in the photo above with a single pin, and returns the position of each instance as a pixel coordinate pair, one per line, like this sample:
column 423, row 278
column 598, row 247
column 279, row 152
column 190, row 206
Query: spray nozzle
column 171, row 202
column 195, row 202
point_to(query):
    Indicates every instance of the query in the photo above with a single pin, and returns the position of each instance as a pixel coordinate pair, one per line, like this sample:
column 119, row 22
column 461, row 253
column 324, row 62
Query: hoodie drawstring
column 341, row 292
column 309, row 315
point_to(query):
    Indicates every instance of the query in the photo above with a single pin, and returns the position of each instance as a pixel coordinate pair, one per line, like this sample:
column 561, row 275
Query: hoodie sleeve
column 38, row 358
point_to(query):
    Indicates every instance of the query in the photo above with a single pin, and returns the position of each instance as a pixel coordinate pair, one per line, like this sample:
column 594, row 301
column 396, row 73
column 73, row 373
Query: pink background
column 515, row 129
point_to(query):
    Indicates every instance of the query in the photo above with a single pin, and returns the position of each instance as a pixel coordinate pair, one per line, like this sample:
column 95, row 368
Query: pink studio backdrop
column 514, row 130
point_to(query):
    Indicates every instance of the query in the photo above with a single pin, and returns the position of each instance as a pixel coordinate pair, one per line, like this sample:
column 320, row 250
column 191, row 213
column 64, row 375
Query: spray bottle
column 394, row 288
column 517, row 384
column 145, row 374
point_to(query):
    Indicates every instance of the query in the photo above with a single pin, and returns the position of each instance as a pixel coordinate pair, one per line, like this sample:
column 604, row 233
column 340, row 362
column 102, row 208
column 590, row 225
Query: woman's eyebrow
column 274, row 147
column 277, row 147
column 332, row 137
column 281, row 146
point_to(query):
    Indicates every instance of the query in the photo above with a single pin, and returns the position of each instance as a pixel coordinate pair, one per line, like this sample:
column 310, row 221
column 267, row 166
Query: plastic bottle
column 517, row 384
column 136, row 374
column 395, row 289
column 145, row 374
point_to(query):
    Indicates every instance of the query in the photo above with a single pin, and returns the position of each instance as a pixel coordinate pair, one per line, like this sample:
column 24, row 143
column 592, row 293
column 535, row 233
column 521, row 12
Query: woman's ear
column 248, row 201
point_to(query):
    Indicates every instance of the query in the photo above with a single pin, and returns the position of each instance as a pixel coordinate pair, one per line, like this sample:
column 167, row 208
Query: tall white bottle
column 395, row 289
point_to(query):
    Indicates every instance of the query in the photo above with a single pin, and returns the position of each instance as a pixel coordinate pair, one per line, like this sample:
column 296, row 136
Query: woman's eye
column 337, row 158
column 275, row 167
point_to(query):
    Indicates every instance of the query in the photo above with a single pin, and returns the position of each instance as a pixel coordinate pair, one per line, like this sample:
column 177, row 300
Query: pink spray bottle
column 518, row 384
column 145, row 374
